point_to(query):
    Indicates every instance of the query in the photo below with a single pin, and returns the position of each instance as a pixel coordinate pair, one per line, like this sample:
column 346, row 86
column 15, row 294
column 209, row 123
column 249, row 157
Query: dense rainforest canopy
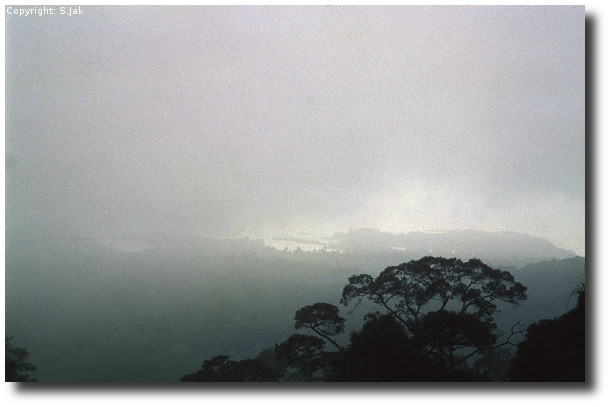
column 435, row 316
column 432, row 319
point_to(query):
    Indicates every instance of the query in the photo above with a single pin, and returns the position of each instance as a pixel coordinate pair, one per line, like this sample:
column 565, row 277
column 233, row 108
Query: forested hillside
column 87, row 312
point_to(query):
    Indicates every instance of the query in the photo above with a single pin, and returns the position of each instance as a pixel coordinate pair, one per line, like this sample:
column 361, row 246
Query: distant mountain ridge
column 508, row 250
column 498, row 248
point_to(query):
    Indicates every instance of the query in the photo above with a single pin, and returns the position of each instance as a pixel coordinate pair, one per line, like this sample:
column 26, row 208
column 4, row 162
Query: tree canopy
column 435, row 314
column 323, row 319
column 445, row 305
column 300, row 347
column 15, row 363
column 553, row 349
column 222, row 369
column 381, row 351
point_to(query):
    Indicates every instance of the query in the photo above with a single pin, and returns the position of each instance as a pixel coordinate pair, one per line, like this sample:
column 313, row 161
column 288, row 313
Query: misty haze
column 295, row 194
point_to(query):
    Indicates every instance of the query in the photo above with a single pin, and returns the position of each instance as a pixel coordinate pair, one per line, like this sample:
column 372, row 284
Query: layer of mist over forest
column 159, row 159
column 89, row 312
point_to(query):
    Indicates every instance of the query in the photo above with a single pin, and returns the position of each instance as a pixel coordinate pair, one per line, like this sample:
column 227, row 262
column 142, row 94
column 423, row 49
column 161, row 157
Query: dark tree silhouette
column 302, row 356
column 321, row 318
column 554, row 349
column 494, row 364
column 382, row 351
column 300, row 347
column 438, row 314
column 443, row 333
column 445, row 305
column 221, row 369
column 15, row 363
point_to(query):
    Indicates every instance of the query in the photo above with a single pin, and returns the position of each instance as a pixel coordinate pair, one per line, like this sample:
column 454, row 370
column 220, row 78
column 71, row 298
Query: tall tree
column 445, row 305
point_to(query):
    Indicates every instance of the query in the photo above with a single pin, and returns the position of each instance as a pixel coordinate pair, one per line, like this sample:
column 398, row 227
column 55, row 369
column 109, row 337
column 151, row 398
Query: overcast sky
column 126, row 123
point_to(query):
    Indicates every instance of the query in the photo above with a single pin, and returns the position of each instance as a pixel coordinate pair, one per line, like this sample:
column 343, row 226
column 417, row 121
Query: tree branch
column 507, row 342
column 327, row 338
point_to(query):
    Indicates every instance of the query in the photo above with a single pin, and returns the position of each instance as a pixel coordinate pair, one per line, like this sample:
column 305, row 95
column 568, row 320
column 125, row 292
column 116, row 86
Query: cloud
column 265, row 121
